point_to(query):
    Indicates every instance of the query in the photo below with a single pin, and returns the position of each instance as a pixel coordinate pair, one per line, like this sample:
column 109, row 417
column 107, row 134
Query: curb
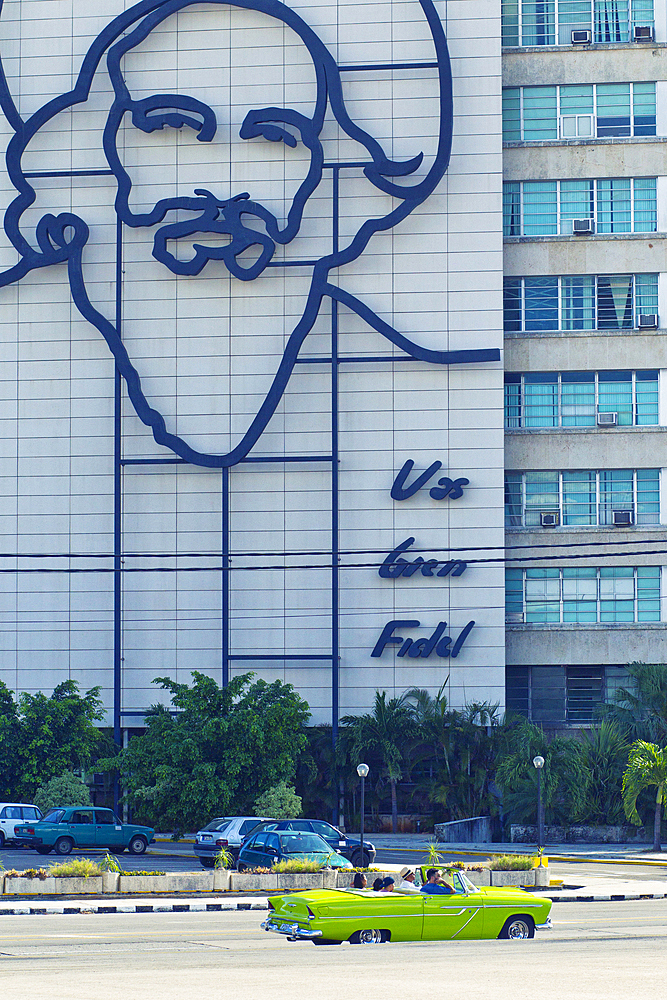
column 140, row 906
column 250, row 903
column 590, row 859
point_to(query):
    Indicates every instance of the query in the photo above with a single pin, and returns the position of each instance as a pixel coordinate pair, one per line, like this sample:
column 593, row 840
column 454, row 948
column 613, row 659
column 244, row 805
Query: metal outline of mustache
column 63, row 238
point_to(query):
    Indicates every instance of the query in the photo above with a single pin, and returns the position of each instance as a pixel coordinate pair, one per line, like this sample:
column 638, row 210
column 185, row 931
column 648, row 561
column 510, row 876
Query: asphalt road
column 596, row 951
column 180, row 858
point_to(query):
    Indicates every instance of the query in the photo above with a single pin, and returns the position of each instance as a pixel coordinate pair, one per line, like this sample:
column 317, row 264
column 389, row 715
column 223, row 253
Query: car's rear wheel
column 64, row 845
column 138, row 845
column 43, row 850
column 361, row 859
column 369, row 937
column 207, row 862
column 518, row 928
column 117, row 850
column 2, row 840
column 240, row 867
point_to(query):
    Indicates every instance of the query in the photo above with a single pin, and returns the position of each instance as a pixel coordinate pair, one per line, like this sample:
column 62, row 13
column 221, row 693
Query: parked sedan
column 361, row 916
column 224, row 833
column 337, row 841
column 265, row 848
column 63, row 829
column 13, row 814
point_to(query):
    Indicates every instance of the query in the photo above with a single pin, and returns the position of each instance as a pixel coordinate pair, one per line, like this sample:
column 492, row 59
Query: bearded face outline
column 249, row 231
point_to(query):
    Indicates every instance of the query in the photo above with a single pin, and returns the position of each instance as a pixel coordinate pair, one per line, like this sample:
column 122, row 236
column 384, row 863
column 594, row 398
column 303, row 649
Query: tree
column 456, row 751
column 66, row 790
column 279, row 802
column 647, row 767
column 214, row 753
column 564, row 775
column 641, row 706
column 605, row 752
column 384, row 738
column 42, row 737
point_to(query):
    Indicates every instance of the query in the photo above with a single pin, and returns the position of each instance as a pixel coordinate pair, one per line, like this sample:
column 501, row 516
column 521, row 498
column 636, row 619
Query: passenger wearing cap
column 407, row 883
column 388, row 884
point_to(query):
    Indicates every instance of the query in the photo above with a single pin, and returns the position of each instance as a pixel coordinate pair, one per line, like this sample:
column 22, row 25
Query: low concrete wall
column 518, row 879
column 581, row 835
column 475, row 830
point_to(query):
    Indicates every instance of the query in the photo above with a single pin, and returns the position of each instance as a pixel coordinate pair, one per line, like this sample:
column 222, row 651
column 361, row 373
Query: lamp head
column 362, row 770
column 538, row 762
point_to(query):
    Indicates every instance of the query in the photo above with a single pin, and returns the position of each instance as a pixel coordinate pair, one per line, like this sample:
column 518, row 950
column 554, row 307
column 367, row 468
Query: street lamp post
column 362, row 771
column 538, row 764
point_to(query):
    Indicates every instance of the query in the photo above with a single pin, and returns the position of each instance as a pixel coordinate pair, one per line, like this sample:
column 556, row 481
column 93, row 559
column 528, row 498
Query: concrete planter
column 54, row 886
column 247, row 882
column 542, row 877
column 221, row 880
column 179, row 882
column 301, row 880
column 518, row 879
column 110, row 881
column 581, row 835
column 481, row 878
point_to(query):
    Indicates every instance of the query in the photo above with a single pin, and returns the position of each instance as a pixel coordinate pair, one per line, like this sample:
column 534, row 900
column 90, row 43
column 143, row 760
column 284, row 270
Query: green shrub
column 472, row 866
column 298, row 865
column 40, row 873
column 109, row 864
column 66, row 790
column 510, row 863
column 280, row 802
column 75, row 868
column 224, row 859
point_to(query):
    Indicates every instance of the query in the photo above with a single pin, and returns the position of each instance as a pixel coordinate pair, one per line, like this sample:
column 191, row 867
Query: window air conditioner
column 648, row 321
column 514, row 617
column 584, row 37
column 622, row 518
column 549, row 519
column 582, row 226
column 607, row 419
column 643, row 33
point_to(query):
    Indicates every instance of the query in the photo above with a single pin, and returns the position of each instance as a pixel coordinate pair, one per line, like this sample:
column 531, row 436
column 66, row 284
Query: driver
column 436, row 885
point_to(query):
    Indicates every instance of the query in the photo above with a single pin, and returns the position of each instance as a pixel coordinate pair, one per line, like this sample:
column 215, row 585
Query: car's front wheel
column 369, row 937
column 138, row 845
column 361, row 859
column 207, row 862
column 43, row 850
column 64, row 845
column 240, row 867
column 518, row 928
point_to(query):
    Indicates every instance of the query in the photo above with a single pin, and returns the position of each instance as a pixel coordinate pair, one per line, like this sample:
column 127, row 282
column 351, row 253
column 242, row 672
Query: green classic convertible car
column 362, row 916
column 74, row 826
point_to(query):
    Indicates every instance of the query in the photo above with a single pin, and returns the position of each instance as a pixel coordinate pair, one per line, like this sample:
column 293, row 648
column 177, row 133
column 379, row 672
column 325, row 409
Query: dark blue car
column 337, row 841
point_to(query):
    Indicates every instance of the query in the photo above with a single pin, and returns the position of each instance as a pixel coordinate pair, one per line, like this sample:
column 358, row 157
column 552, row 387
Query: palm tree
column 605, row 751
column 383, row 737
column 641, row 707
column 647, row 766
column 564, row 775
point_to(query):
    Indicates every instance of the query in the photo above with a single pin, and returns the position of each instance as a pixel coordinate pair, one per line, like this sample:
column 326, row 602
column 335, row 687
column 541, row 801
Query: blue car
column 337, row 841
column 266, row 847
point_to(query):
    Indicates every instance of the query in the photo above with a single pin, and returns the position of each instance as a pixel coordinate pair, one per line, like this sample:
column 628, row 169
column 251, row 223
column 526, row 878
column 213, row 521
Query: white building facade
column 251, row 317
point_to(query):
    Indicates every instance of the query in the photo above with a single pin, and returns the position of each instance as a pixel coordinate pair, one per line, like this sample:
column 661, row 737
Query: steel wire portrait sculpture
column 240, row 222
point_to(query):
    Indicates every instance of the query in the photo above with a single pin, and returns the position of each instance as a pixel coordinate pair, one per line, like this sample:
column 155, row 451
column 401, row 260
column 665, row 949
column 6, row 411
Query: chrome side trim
column 291, row 931
column 476, row 910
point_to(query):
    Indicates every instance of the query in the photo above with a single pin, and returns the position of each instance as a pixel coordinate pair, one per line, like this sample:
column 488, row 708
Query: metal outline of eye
column 174, row 116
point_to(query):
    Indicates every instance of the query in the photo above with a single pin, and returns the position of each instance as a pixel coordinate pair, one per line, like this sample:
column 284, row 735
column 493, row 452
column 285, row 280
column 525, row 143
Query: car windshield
column 218, row 824
column 54, row 816
column 461, row 883
column 303, row 843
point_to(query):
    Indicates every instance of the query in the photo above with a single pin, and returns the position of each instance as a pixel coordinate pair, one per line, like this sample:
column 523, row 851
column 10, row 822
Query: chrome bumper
column 292, row 931
column 546, row 926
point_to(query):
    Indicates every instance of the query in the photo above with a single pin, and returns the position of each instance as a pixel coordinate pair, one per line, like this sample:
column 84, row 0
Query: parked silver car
column 227, row 833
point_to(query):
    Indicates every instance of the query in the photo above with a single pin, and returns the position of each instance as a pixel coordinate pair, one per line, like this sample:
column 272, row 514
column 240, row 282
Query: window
column 584, row 688
column 557, row 694
column 551, row 22
column 104, row 817
column 578, row 302
column 324, row 830
column 579, row 111
column 82, row 817
column 584, row 594
column 573, row 399
column 549, row 208
column 11, row 812
column 582, row 498
column 31, row 813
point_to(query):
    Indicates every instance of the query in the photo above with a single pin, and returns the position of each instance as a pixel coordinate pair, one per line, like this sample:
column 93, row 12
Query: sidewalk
column 619, row 853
